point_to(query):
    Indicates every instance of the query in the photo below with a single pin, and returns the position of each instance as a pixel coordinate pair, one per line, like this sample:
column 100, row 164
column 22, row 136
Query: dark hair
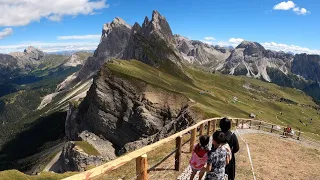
column 225, row 125
column 204, row 140
column 219, row 137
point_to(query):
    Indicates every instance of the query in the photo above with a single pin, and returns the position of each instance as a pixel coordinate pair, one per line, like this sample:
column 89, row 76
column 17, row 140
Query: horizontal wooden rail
column 140, row 155
column 120, row 161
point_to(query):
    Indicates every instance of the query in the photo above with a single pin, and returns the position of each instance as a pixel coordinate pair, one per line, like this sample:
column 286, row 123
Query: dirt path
column 52, row 165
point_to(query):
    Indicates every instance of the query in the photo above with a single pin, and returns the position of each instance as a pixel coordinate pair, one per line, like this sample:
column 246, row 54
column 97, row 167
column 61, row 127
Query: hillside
column 214, row 95
column 225, row 95
column 22, row 123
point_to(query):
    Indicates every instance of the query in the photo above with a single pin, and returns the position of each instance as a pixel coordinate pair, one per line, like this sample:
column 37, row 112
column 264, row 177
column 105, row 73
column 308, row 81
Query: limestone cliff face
column 153, row 42
column 252, row 59
column 197, row 52
column 129, row 113
column 114, row 39
column 307, row 66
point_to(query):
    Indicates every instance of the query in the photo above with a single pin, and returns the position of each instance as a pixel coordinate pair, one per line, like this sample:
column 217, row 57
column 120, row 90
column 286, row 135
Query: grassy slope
column 219, row 90
column 87, row 148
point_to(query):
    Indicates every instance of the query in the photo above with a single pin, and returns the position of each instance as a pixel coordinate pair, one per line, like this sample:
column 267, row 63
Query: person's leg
column 201, row 173
column 193, row 173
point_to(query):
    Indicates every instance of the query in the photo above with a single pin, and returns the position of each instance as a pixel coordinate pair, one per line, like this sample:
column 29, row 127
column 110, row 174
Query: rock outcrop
column 128, row 113
column 73, row 158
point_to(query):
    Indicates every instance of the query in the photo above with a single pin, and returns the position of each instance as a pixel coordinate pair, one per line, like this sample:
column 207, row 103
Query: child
column 217, row 158
column 199, row 156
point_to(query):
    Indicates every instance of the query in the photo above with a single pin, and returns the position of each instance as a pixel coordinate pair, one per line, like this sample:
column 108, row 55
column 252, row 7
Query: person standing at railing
column 231, row 138
column 199, row 157
column 217, row 158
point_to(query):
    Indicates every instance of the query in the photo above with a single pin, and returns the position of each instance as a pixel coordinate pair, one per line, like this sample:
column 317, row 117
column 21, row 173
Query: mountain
column 307, row 66
column 197, row 52
column 252, row 59
column 26, row 80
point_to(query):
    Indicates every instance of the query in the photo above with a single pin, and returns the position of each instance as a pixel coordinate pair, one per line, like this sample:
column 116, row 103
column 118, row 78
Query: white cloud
column 23, row 12
column 208, row 42
column 6, row 32
column 291, row 48
column 300, row 11
column 236, row 40
column 284, row 5
column 209, row 38
column 291, row 5
column 76, row 37
column 51, row 47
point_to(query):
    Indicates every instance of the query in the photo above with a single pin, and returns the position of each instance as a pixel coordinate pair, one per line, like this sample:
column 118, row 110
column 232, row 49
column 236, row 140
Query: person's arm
column 235, row 144
column 208, row 167
column 227, row 159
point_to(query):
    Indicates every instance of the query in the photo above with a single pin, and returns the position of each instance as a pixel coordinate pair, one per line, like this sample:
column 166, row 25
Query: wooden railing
column 141, row 157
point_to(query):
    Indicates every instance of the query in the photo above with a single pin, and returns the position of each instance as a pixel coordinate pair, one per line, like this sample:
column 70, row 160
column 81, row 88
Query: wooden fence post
column 259, row 126
column 193, row 138
column 271, row 128
column 250, row 124
column 298, row 138
column 177, row 162
column 242, row 124
column 214, row 125
column 208, row 128
column 201, row 130
column 142, row 167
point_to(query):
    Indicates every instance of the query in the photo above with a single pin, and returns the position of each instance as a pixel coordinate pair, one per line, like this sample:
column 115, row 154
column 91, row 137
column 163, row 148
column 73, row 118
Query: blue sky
column 280, row 25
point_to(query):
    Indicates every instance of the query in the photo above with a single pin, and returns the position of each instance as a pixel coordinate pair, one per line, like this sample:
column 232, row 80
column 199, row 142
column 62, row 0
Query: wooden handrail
column 114, row 164
column 141, row 154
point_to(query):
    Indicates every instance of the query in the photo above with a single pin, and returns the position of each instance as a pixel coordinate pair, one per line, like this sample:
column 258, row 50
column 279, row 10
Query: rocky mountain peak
column 251, row 48
column 31, row 53
column 158, row 26
column 115, row 24
column 145, row 22
column 31, row 49
column 136, row 28
column 119, row 22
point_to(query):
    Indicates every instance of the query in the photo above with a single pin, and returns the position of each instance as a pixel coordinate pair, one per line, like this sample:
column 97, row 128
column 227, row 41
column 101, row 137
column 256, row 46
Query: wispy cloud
column 209, row 38
column 23, row 12
column 81, row 37
column 299, row 11
column 208, row 42
column 236, row 40
column 6, row 32
column 290, row 5
column 51, row 47
column 291, row 48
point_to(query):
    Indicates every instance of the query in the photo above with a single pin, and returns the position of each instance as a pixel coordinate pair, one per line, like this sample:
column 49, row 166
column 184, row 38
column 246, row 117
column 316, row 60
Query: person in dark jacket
column 225, row 126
